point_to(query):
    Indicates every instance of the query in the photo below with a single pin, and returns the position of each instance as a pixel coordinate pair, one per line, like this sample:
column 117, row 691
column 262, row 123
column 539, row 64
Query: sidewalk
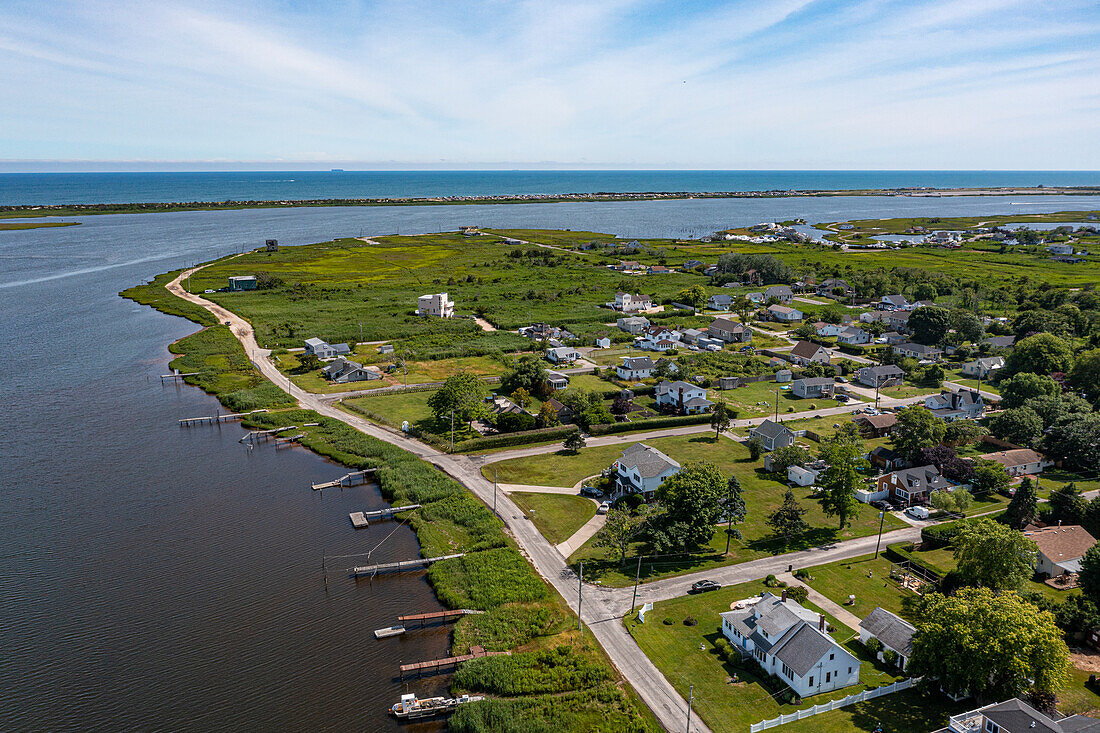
column 582, row 535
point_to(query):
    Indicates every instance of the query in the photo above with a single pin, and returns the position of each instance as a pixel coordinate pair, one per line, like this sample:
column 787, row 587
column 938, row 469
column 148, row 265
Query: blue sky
column 766, row 84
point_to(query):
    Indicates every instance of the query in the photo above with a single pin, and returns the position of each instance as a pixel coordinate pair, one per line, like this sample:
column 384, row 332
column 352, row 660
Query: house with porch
column 324, row 350
column 1020, row 461
column 853, row 335
column 891, row 302
column 964, row 404
column 807, row 352
column 920, row 352
column 810, row 387
column 557, row 380
column 635, row 367
column 983, row 367
column 562, row 355
column 633, row 325
column 1060, row 548
column 912, row 486
column 782, row 293
column 720, row 302
column 876, row 426
column 1016, row 716
column 824, row 330
column 784, row 314
column 632, row 303
column 790, row 642
column 342, row 371
column 640, row 470
column 684, row 397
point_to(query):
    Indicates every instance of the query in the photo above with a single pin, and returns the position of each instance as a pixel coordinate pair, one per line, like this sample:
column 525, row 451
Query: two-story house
column 640, row 470
column 685, row 397
column 965, row 404
column 729, row 331
column 633, row 325
column 635, row 367
column 790, row 642
column 912, row 486
column 632, row 303
column 807, row 352
column 437, row 305
column 720, row 302
column 981, row 368
column 562, row 355
column 853, row 335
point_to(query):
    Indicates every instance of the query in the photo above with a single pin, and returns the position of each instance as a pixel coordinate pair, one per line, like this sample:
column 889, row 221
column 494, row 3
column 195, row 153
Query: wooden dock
column 289, row 440
column 177, row 376
column 399, row 567
column 360, row 520
column 434, row 666
column 255, row 435
column 349, row 479
column 421, row 619
column 218, row 418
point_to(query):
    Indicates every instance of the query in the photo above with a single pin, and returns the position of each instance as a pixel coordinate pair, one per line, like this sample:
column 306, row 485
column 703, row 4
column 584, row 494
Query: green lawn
column 955, row 375
column 758, row 399
column 726, row 706
column 395, row 407
column 837, row 580
column 590, row 382
column 557, row 516
column 614, row 357
column 908, row 390
column 762, row 494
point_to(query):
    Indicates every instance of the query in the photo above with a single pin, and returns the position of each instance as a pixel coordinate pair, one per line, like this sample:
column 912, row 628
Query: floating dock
column 255, row 435
column 348, row 479
column 421, row 620
column 388, row 632
column 359, row 520
column 400, row 567
column 434, row 666
column 214, row 419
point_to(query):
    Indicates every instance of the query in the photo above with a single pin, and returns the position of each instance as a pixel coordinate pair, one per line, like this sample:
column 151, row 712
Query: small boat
column 411, row 708
column 389, row 631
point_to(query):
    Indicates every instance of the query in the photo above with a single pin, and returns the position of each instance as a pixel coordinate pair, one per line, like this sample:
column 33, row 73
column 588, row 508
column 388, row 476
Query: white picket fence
column 833, row 705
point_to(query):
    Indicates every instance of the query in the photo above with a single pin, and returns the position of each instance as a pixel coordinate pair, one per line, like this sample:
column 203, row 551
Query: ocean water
column 61, row 188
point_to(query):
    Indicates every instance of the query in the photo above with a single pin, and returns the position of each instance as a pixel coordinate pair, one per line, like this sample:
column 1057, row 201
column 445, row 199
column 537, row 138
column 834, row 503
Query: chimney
column 784, row 594
column 821, row 622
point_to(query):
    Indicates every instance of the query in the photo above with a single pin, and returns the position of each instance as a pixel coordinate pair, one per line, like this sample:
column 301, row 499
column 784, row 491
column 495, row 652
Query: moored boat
column 411, row 708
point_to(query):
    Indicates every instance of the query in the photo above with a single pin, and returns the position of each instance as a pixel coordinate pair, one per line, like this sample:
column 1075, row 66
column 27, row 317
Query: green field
column 762, row 494
column 557, row 516
column 726, row 706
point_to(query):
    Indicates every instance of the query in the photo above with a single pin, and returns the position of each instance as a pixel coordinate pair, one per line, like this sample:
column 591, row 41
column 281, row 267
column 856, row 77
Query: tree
column 1056, row 409
column 719, row 419
column 967, row 325
column 786, row 521
column 1091, row 520
column 573, row 442
column 733, row 509
column 1020, row 426
column 988, row 477
column 845, row 456
column 521, row 397
column 994, row 646
column 306, row 363
column 917, row 428
column 621, row 405
column 956, row 501
column 529, row 373
column 787, row 456
column 755, row 446
column 1089, row 576
column 1067, row 505
column 1021, row 510
column 1019, row 388
column 694, row 296
column 690, row 503
column 548, row 416
column 929, row 325
column 962, row 432
column 1076, row 442
column 993, row 555
column 1085, row 375
column 464, row 393
column 1034, row 321
column 948, row 462
column 1043, row 353
column 621, row 528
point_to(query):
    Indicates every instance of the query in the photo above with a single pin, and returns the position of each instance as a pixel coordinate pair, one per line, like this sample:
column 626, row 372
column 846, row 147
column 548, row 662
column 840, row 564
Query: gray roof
column 698, row 402
column 802, row 647
column 1001, row 342
column 815, row 381
column 315, row 342
column 888, row 370
column 776, row 290
column 919, row 348
column 664, row 387
column 922, row 478
column 637, row 362
column 721, row 298
column 1016, row 716
column 894, row 632
column 895, row 299
column 769, row 429
column 648, row 461
column 341, row 348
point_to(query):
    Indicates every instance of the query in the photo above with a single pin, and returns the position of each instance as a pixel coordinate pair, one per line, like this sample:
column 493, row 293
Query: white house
column 853, row 335
column 807, row 352
column 790, row 642
column 1016, row 716
column 324, row 350
column 1060, row 249
column 919, row 352
column 827, row 329
column 635, row 367
column 892, row 302
column 631, row 303
column 772, row 435
column 557, row 380
column 562, row 355
column 720, row 302
column 640, row 470
column 684, row 396
column 983, row 367
column 965, row 404
column 806, row 475
column 894, row 632
column 1020, row 461
column 784, row 314
column 437, row 305
column 1060, row 548
column 603, row 343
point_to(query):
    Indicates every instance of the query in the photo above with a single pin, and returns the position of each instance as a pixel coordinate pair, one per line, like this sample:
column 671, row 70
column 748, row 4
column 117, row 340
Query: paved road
column 602, row 608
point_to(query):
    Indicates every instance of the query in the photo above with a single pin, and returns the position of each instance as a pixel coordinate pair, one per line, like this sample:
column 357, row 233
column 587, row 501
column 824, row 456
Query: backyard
column 557, row 516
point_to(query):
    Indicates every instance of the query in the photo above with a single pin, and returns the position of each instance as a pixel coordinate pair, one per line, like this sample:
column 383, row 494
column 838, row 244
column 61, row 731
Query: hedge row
column 941, row 535
column 505, row 440
column 655, row 424
column 904, row 551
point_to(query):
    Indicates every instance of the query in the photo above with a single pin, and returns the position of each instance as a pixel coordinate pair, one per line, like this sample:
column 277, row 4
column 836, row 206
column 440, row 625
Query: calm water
column 58, row 188
column 155, row 578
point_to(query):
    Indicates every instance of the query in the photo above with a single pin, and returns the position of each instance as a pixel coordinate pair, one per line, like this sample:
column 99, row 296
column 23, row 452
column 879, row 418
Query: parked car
column 840, row 397
column 842, row 380
column 604, row 508
column 880, row 505
column 591, row 491
column 703, row 586
column 917, row 512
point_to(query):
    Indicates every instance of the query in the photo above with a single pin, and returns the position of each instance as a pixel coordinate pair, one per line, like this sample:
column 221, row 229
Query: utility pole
column 637, row 577
column 691, row 698
column 580, row 597
column 881, row 519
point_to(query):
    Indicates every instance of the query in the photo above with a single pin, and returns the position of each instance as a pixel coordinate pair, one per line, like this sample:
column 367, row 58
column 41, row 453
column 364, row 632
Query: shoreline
column 13, row 211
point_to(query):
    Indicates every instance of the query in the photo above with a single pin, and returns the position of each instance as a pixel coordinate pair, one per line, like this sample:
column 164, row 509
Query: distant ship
column 410, row 708
column 336, row 170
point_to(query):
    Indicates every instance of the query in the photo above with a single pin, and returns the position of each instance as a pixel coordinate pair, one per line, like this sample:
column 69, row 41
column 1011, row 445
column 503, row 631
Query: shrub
column 660, row 422
column 773, row 582
column 486, row 579
column 690, row 621
column 803, row 574
column 668, row 622
column 890, row 657
column 873, row 645
column 556, row 670
column 510, row 439
column 798, row 593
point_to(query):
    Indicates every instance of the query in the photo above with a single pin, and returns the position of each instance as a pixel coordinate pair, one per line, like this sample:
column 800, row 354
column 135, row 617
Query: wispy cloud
column 739, row 84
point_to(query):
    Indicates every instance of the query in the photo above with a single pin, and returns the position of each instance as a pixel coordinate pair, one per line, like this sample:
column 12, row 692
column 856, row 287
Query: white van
column 917, row 512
